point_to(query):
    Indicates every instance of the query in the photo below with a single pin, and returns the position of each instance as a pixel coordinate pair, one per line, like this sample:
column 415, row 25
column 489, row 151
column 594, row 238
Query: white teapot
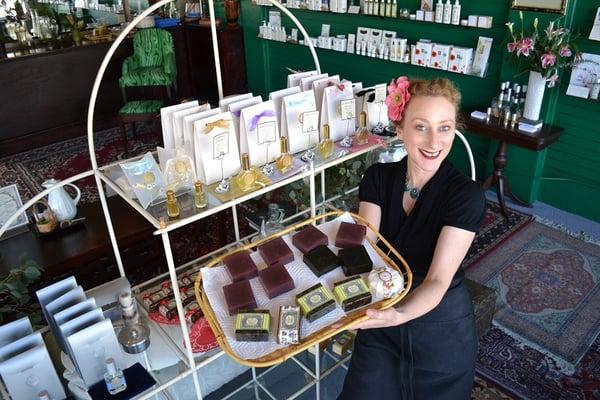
column 63, row 205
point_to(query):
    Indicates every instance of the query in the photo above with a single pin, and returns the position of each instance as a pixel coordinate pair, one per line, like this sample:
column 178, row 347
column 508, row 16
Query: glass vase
column 232, row 11
column 535, row 95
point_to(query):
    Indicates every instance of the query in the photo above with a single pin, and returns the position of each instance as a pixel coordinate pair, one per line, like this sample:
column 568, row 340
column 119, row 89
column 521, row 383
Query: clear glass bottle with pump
column 172, row 205
column 326, row 144
column 114, row 378
column 199, row 196
column 246, row 179
column 362, row 134
column 284, row 161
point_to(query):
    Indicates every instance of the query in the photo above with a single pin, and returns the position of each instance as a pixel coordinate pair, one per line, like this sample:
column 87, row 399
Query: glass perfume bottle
column 247, row 176
column 284, row 162
column 274, row 223
column 326, row 144
column 114, row 378
column 362, row 133
column 199, row 196
column 172, row 206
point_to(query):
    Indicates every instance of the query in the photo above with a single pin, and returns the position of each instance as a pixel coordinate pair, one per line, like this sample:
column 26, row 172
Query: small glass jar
column 404, row 13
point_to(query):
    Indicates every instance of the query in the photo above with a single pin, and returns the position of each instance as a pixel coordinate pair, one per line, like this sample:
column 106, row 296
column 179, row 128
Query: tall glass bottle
column 247, row 176
column 172, row 206
column 326, row 144
column 199, row 196
column 113, row 377
column 362, row 133
column 284, row 162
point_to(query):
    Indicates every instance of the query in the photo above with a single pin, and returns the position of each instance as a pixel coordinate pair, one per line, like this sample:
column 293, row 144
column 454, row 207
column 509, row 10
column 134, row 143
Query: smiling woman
column 425, row 347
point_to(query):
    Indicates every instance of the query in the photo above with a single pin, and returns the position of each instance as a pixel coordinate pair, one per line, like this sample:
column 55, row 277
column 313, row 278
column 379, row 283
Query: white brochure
column 177, row 116
column 14, row 330
column 306, row 83
column 74, row 311
column 320, row 84
column 298, row 130
column 65, row 301
column 216, row 148
column 259, row 133
column 294, row 79
column 29, row 372
column 339, row 110
column 54, row 291
column 166, row 120
column 236, row 110
column 226, row 101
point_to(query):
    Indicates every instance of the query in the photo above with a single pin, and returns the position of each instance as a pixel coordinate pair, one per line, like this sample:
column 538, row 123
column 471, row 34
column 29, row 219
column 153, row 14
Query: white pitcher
column 63, row 205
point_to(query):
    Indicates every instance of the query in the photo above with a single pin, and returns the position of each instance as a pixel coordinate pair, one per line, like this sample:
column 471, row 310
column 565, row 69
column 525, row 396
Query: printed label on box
column 310, row 121
column 266, row 132
column 348, row 109
column 220, row 145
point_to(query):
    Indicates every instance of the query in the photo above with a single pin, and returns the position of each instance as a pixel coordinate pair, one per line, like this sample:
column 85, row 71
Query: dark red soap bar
column 240, row 266
column 309, row 238
column 350, row 235
column 276, row 251
column 239, row 296
column 276, row 280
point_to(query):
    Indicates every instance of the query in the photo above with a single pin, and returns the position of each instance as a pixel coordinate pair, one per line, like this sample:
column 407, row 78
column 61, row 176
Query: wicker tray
column 327, row 332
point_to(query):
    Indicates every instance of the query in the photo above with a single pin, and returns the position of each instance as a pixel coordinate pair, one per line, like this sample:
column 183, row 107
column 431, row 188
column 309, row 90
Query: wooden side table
column 505, row 136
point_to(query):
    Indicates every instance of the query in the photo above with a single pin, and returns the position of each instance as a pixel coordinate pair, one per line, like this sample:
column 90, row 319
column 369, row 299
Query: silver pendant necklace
column 413, row 191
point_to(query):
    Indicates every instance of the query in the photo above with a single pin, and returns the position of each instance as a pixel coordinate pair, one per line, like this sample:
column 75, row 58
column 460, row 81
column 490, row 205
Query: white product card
column 294, row 108
column 320, row 84
column 166, row 120
column 380, row 93
column 30, row 372
column 216, row 146
column 325, row 29
column 236, row 111
column 306, row 83
column 482, row 55
column 226, row 101
column 178, row 132
column 294, row 79
column 578, row 91
column 310, row 121
column 333, row 95
column 14, row 330
column 259, row 133
column 348, row 109
column 354, row 10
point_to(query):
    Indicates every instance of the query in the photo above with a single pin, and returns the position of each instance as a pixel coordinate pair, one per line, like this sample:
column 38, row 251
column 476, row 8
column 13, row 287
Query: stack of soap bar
column 252, row 326
column 240, row 266
column 355, row 260
column 288, row 329
column 350, row 235
column 309, row 238
column 276, row 251
column 321, row 260
column 315, row 302
column 238, row 295
column 276, row 280
column 352, row 293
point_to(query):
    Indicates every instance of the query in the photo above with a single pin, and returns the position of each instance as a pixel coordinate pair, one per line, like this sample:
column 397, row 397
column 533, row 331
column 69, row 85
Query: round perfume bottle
column 247, row 176
column 326, row 144
column 284, row 162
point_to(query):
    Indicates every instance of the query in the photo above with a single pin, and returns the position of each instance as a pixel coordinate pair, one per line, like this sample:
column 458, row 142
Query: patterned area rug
column 549, row 291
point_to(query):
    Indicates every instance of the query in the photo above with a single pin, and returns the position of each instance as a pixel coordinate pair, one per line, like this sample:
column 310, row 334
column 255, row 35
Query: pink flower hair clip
column 398, row 96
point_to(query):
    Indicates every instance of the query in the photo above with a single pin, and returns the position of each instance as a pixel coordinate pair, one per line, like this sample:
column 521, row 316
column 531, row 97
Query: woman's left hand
column 379, row 319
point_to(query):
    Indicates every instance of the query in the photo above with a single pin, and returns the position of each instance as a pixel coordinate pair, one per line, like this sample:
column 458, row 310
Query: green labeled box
column 315, row 302
column 252, row 325
column 352, row 293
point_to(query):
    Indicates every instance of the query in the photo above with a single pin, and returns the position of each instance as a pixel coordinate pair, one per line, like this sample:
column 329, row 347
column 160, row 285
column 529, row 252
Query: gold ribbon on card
column 220, row 123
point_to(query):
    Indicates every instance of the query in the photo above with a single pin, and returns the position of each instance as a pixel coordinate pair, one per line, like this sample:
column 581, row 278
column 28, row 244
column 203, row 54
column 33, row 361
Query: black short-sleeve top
column 448, row 199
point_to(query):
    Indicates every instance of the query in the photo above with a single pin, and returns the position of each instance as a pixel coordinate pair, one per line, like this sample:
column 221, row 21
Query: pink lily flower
column 512, row 46
column 524, row 47
column 552, row 80
column 548, row 60
column 565, row 51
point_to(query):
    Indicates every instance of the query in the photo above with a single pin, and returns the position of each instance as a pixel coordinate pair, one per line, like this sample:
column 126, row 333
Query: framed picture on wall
column 551, row 6
column 10, row 202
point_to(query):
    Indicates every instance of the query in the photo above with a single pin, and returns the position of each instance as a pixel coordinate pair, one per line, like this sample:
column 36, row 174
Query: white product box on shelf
column 74, row 311
column 216, row 146
column 306, row 83
column 440, row 53
column 177, row 116
column 429, row 16
column 275, row 18
column 339, row 44
column 420, row 15
column 319, row 86
column 292, row 121
column 422, row 53
column 325, row 29
column 460, row 60
column 473, row 20
column 166, row 120
column 236, row 108
column 189, row 133
column 375, row 36
column 294, row 79
column 277, row 97
column 332, row 112
column 15, row 330
column 482, row 55
column 65, row 301
column 259, row 133
column 484, row 21
column 226, row 101
column 351, row 43
column 363, row 35
column 387, row 38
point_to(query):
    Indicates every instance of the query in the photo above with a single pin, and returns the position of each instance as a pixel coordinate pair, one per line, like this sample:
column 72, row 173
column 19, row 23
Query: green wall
column 531, row 174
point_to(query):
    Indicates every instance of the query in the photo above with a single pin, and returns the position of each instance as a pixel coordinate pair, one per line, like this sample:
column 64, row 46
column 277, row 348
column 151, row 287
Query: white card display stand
column 339, row 126
column 259, row 133
column 291, row 121
column 166, row 120
column 216, row 138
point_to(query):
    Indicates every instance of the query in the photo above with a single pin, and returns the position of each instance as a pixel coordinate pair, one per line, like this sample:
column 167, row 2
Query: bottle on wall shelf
column 394, row 11
column 456, row 13
column 172, row 206
column 361, row 136
column 284, row 162
column 382, row 5
column 114, row 378
column 388, row 8
column 247, row 176
column 439, row 12
column 447, row 18
column 199, row 196
column 326, row 144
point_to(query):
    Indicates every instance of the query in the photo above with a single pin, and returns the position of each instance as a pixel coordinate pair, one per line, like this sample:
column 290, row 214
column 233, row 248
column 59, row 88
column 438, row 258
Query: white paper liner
column 213, row 280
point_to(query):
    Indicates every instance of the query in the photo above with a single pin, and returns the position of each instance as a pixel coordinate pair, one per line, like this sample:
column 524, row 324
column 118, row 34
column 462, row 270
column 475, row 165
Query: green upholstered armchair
column 152, row 62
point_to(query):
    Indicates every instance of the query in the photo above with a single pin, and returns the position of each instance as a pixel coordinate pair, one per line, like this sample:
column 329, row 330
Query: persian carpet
column 549, row 291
